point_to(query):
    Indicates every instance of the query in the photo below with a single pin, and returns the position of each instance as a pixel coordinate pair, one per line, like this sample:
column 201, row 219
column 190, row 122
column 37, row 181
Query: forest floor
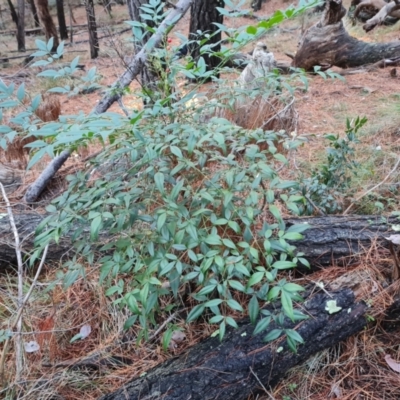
column 355, row 369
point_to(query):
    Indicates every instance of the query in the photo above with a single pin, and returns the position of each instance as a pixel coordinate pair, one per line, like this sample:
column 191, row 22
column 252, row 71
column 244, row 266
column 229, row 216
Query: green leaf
column 293, row 236
column 293, row 287
column 255, row 278
column 176, row 151
column 21, row 92
column 294, row 335
column 159, row 180
column 161, row 221
column 95, row 227
column 254, row 309
column 251, row 30
column 262, row 325
column 213, row 240
column 230, row 321
column 287, row 304
column 229, row 243
column 236, row 285
column 130, row 321
column 234, row 305
column 283, row 264
column 213, row 303
column 222, row 328
column 274, row 334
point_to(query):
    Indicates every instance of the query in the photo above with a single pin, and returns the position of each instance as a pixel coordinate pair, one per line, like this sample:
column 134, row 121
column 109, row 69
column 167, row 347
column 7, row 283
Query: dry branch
column 390, row 9
column 134, row 68
column 139, row 60
column 328, row 44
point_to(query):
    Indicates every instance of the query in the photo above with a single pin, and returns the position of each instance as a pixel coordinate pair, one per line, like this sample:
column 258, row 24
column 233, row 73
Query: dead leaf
column 85, row 331
column 178, row 336
column 395, row 239
column 392, row 364
column 31, row 346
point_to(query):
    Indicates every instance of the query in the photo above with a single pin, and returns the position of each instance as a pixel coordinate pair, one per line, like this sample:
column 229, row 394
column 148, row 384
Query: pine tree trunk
column 92, row 27
column 21, row 25
column 14, row 14
column 47, row 22
column 34, row 13
column 61, row 20
column 204, row 14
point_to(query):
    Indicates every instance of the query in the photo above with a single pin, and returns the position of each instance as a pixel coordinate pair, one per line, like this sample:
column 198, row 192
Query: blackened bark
column 34, row 13
column 233, row 369
column 328, row 240
column 92, row 27
column 61, row 20
column 14, row 14
column 47, row 22
column 328, row 44
column 334, row 239
column 204, row 15
column 21, row 25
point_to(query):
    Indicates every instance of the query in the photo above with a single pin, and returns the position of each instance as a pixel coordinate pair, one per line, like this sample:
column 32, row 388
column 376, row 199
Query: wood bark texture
column 391, row 9
column 92, row 28
column 14, row 15
column 34, row 14
column 21, row 25
column 328, row 240
column 203, row 16
column 61, row 20
column 233, row 369
column 47, row 22
column 328, row 44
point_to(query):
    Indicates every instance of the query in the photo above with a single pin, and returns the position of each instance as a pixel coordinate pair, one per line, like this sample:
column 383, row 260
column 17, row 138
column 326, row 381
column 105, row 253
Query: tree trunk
column 328, row 44
column 236, row 367
column 330, row 240
column 62, row 26
column 93, row 39
column 34, row 13
column 148, row 76
column 14, row 14
column 47, row 22
column 204, row 15
column 21, row 25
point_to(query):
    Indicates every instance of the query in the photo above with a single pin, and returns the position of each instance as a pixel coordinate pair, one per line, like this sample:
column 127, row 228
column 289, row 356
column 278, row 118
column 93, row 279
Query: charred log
column 337, row 239
column 237, row 367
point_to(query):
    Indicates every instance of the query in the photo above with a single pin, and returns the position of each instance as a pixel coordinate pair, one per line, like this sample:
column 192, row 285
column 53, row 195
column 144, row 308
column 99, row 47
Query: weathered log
column 391, row 9
column 328, row 240
column 237, row 367
column 334, row 239
column 328, row 44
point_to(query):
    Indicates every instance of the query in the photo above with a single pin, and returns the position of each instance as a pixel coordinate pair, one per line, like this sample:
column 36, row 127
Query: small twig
column 373, row 188
column 123, row 108
column 265, row 390
column 18, row 338
column 21, row 300
column 25, row 300
column 163, row 325
column 314, row 205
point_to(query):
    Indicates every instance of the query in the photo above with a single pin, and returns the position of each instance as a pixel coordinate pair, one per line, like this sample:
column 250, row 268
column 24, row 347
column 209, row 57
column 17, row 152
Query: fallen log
column 328, row 44
column 242, row 363
column 391, row 9
column 328, row 240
